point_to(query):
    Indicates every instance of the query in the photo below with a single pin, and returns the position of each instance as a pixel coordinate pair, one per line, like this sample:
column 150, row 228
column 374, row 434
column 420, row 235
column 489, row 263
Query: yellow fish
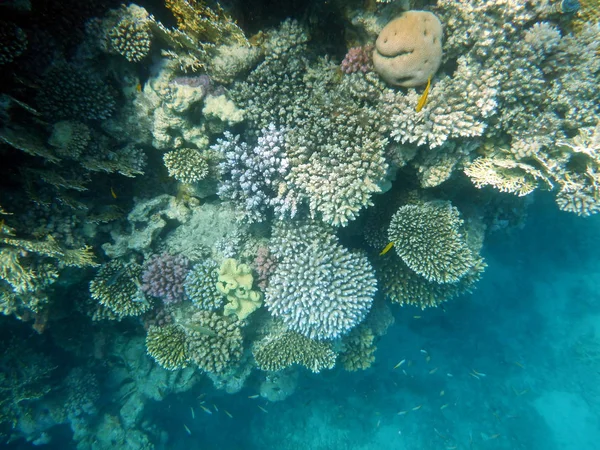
column 112, row 192
column 386, row 249
column 423, row 99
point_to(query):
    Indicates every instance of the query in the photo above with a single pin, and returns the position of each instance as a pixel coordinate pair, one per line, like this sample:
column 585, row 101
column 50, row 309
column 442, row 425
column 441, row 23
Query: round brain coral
column 409, row 49
column 428, row 238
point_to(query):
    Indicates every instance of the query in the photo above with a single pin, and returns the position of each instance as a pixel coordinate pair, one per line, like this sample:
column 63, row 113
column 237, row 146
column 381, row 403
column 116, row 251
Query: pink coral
column 358, row 59
column 264, row 264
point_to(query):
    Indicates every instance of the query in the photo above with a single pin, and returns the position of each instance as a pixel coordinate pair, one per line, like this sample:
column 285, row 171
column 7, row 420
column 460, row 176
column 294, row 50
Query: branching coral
column 187, row 165
column 164, row 275
column 168, row 346
column 214, row 343
column 429, row 240
column 281, row 350
column 201, row 286
column 358, row 349
column 117, row 287
column 319, row 288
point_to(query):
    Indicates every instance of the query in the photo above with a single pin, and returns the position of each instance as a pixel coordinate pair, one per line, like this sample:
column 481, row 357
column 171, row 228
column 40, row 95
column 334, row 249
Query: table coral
column 429, row 240
column 168, row 346
column 281, row 350
column 116, row 286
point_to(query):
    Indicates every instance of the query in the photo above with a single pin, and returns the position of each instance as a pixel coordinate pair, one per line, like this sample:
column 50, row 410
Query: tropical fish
column 228, row 414
column 262, row 409
column 253, row 396
column 206, row 410
column 193, row 413
column 187, row 430
column 423, row 99
column 416, row 408
column 112, row 192
column 386, row 249
column 400, row 363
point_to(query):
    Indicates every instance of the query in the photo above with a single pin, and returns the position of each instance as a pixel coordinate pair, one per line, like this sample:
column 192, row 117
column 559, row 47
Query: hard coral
column 408, row 50
column 164, row 276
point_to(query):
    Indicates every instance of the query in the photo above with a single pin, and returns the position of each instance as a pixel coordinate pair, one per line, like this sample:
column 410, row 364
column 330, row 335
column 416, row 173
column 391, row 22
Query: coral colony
column 199, row 180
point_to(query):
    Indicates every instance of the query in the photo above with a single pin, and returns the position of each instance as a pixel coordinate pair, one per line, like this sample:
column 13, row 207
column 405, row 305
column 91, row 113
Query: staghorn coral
column 214, row 343
column 167, row 345
column 319, row 288
column 164, row 276
column 117, row 288
column 278, row 351
column 235, row 281
column 428, row 238
column 201, row 286
column 358, row 349
column 187, row 165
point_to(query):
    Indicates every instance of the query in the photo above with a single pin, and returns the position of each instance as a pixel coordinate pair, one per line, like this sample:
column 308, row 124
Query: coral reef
column 235, row 282
column 408, row 51
column 164, row 277
column 13, row 42
column 319, row 288
column 428, row 238
column 358, row 59
column 187, row 165
column 168, row 346
column 117, row 288
column 281, row 350
column 201, row 286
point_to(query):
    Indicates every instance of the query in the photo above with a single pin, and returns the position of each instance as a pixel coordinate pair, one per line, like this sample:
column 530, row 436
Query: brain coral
column 409, row 49
column 319, row 288
column 428, row 238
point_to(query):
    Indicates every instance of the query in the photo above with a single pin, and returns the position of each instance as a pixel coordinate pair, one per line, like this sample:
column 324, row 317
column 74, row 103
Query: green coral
column 187, row 165
column 428, row 238
column 235, row 281
column 359, row 349
column 201, row 286
column 117, row 287
column 281, row 350
column 168, row 346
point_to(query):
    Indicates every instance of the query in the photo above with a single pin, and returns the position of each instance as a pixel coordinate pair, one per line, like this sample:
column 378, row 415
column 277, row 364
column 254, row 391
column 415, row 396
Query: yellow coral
column 235, row 281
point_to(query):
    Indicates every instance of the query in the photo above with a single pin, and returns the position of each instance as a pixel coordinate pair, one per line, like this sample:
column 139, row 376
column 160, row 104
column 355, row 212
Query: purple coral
column 358, row 59
column 252, row 175
column 164, row 275
column 264, row 264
